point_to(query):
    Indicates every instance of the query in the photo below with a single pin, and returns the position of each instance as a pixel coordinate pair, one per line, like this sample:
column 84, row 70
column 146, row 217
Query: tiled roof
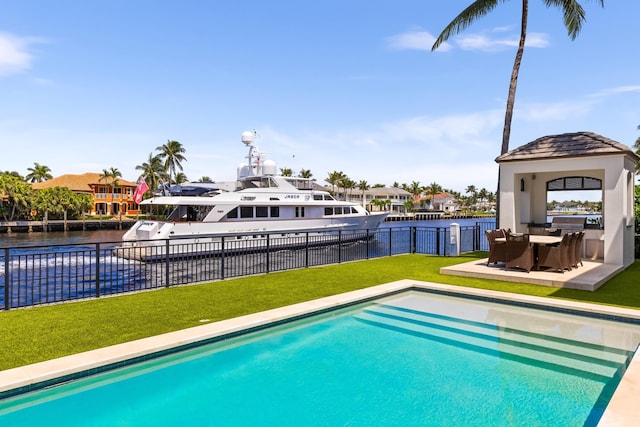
column 391, row 191
column 565, row 145
column 80, row 183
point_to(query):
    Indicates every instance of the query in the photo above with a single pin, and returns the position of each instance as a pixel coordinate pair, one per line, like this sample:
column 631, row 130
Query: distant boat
column 259, row 203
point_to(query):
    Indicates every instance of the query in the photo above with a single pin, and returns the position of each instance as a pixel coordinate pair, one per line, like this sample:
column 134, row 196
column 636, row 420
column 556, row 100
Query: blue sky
column 347, row 85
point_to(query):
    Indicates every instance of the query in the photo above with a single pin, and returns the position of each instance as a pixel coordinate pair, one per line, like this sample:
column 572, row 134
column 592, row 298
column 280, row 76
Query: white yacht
column 260, row 208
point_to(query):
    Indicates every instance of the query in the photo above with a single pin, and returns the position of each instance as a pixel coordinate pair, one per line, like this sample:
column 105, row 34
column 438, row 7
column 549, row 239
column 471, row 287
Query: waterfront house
column 108, row 199
column 443, row 201
column 376, row 198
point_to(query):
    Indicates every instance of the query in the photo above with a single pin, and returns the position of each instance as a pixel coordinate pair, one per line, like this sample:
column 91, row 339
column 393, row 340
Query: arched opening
column 576, row 195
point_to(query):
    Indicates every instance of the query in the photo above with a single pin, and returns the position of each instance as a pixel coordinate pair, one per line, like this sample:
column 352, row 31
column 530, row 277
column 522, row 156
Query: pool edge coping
column 620, row 411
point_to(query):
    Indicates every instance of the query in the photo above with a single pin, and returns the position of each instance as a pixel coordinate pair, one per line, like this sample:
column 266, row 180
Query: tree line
column 18, row 200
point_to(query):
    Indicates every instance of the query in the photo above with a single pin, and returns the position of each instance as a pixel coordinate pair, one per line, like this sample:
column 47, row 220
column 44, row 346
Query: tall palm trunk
column 511, row 98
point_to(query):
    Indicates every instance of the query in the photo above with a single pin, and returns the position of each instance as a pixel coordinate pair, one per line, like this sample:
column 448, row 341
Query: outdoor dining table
column 537, row 239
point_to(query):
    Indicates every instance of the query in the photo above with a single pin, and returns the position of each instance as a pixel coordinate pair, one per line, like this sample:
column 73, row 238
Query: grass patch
column 42, row 333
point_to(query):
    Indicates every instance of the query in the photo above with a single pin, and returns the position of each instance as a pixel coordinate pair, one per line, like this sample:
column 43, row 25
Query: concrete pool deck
column 621, row 411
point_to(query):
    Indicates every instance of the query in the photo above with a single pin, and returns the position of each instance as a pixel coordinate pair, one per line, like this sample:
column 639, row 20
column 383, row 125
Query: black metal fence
column 49, row 274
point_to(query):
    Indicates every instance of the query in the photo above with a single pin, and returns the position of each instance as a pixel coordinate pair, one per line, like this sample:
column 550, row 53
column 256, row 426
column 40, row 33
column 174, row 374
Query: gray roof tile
column 565, row 145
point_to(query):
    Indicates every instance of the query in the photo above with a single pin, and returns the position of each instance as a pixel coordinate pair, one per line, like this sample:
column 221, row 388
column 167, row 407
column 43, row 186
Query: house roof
column 567, row 145
column 443, row 195
column 80, row 183
column 390, row 191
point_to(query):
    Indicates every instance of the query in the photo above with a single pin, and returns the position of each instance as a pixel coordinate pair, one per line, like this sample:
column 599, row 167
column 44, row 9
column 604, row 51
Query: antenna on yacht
column 254, row 157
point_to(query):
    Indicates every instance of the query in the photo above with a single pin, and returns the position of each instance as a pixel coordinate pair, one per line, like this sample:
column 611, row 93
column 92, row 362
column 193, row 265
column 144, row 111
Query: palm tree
column 473, row 194
column 110, row 177
column 636, row 147
column 305, row 173
column 153, row 171
column 205, row 179
column 334, row 178
column 38, row 173
column 415, row 189
column 363, row 186
column 286, row 171
column 181, row 178
column 172, row 153
column 15, row 197
column 347, row 184
column 573, row 15
column 433, row 189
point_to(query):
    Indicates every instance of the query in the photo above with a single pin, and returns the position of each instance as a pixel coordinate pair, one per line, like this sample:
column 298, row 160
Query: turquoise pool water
column 411, row 359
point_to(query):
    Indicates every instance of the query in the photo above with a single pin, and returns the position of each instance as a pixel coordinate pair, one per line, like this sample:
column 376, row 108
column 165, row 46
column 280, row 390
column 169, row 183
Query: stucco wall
column 518, row 208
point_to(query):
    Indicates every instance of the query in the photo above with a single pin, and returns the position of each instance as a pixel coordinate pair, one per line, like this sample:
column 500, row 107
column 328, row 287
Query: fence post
column 268, row 251
column 412, row 243
column 222, row 259
column 306, row 250
column 454, row 239
column 339, row 246
column 437, row 240
column 166, row 263
column 390, row 246
column 368, row 243
column 97, row 270
column 7, row 274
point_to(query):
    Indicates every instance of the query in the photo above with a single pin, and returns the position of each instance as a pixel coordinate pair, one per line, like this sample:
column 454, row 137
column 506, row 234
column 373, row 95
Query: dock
column 7, row 227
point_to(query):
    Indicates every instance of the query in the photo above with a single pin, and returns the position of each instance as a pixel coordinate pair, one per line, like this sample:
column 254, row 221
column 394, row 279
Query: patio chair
column 577, row 249
column 519, row 252
column 497, row 250
column 556, row 257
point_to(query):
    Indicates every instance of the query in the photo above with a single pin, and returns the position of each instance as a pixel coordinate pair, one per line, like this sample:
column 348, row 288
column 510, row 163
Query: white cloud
column 615, row 91
column 483, row 42
column 414, row 40
column 15, row 56
column 549, row 112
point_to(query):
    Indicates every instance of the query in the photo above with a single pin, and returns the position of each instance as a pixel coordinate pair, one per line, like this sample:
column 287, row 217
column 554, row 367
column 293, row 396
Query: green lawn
column 42, row 333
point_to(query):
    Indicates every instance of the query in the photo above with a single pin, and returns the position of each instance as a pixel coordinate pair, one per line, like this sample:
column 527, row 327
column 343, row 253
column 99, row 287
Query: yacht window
column 202, row 212
column 275, row 211
column 246, row 211
column 262, row 211
column 269, row 183
column 328, row 211
column 317, row 197
column 299, row 211
column 178, row 213
column 337, row 211
column 233, row 213
column 328, row 197
column 354, row 210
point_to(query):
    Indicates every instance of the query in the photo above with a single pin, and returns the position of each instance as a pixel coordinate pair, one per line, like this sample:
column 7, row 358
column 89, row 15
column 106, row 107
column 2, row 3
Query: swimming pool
column 414, row 358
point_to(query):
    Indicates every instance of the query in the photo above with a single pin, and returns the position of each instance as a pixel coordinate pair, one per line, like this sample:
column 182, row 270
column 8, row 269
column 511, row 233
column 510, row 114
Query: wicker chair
column 497, row 250
column 556, row 257
column 519, row 252
column 576, row 255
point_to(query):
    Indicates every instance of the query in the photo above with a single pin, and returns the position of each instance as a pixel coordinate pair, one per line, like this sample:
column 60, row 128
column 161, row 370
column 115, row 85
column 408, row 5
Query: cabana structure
column 572, row 161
